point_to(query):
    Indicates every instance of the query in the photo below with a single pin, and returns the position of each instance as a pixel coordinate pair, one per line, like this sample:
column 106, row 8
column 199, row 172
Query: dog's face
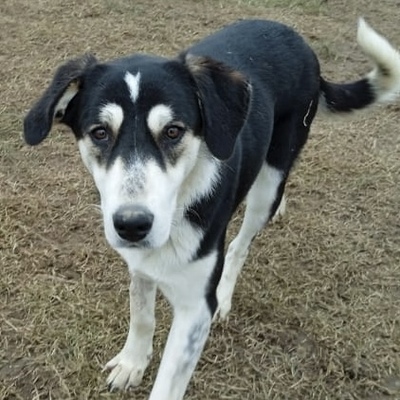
column 138, row 134
column 147, row 128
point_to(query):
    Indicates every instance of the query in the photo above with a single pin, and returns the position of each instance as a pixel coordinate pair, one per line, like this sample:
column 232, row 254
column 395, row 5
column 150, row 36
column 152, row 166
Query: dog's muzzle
column 133, row 223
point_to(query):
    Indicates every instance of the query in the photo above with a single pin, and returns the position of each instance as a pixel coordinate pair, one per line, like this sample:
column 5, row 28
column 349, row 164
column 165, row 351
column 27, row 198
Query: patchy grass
column 316, row 311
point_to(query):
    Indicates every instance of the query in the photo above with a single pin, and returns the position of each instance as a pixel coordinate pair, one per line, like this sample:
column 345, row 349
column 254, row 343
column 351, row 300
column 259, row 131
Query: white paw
column 224, row 298
column 223, row 310
column 280, row 212
column 125, row 372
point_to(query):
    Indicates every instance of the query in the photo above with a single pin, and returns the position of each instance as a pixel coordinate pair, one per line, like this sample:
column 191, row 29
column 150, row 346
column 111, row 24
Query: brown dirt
column 316, row 311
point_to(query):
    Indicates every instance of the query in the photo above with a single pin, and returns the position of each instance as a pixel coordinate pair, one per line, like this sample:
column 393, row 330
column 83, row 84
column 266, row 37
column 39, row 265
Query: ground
column 316, row 311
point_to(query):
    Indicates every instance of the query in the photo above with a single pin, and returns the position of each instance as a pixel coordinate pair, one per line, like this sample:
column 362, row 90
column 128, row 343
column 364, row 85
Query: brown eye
column 174, row 132
column 99, row 134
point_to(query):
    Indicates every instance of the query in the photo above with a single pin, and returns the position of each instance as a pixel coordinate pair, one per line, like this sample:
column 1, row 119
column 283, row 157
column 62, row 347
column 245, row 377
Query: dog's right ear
column 54, row 102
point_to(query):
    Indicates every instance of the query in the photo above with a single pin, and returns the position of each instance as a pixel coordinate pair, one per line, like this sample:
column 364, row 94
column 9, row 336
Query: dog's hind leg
column 129, row 365
column 280, row 211
column 262, row 201
column 265, row 198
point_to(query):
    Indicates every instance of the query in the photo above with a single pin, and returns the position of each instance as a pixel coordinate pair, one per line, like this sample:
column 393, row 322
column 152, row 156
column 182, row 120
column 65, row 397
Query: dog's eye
column 99, row 134
column 174, row 132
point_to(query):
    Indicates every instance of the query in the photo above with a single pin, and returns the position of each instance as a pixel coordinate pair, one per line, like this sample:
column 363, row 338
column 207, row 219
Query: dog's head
column 150, row 130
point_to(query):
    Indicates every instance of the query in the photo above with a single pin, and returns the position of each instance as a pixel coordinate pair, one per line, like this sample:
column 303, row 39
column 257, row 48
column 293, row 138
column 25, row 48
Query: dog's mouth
column 126, row 244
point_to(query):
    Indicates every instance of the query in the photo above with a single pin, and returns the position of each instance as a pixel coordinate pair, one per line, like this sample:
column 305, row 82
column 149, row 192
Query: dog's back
column 272, row 55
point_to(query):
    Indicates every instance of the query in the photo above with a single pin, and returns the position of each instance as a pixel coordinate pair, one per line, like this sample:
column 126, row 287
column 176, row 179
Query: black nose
column 133, row 223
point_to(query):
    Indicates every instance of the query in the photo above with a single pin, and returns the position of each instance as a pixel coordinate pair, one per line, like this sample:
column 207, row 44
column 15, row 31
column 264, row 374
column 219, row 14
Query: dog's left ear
column 224, row 97
column 51, row 107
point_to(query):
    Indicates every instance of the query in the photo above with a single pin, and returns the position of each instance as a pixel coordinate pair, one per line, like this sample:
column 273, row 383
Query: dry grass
column 316, row 312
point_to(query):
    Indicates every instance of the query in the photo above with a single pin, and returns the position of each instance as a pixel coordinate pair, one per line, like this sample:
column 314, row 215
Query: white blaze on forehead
column 159, row 116
column 133, row 85
column 112, row 115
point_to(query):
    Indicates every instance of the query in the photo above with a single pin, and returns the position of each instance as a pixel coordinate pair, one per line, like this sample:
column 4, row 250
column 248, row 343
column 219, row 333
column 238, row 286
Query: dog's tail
column 382, row 84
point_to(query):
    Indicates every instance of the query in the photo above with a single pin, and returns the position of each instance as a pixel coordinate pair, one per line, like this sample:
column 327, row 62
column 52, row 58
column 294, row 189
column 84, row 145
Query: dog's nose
column 133, row 223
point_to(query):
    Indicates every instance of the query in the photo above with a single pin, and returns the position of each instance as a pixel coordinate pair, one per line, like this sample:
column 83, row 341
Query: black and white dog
column 174, row 145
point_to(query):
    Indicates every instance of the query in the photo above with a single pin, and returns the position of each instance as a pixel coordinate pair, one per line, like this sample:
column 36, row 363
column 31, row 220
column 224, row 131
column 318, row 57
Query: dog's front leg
column 129, row 365
column 188, row 334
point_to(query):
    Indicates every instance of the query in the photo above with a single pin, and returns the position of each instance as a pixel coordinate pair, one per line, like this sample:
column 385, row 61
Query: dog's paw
column 224, row 297
column 223, row 310
column 125, row 372
column 280, row 212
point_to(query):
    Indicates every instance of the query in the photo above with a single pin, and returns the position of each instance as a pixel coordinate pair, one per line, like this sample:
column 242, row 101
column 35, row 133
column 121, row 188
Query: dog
column 175, row 145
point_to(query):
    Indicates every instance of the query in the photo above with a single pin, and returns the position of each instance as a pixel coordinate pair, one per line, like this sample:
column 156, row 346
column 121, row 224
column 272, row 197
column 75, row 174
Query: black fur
column 347, row 97
column 224, row 97
column 250, row 91
column 39, row 121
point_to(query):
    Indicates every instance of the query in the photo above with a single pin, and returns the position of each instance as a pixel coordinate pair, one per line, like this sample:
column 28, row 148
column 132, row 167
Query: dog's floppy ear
column 224, row 97
column 54, row 101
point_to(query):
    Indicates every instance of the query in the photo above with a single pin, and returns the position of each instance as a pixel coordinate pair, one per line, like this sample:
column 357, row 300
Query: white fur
column 158, row 117
column 129, row 365
column 168, row 267
column 111, row 114
column 191, row 323
column 190, row 326
column 165, row 193
column 166, row 262
column 133, row 82
column 260, row 200
column 186, row 340
column 201, row 179
column 385, row 57
column 385, row 77
column 141, row 183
